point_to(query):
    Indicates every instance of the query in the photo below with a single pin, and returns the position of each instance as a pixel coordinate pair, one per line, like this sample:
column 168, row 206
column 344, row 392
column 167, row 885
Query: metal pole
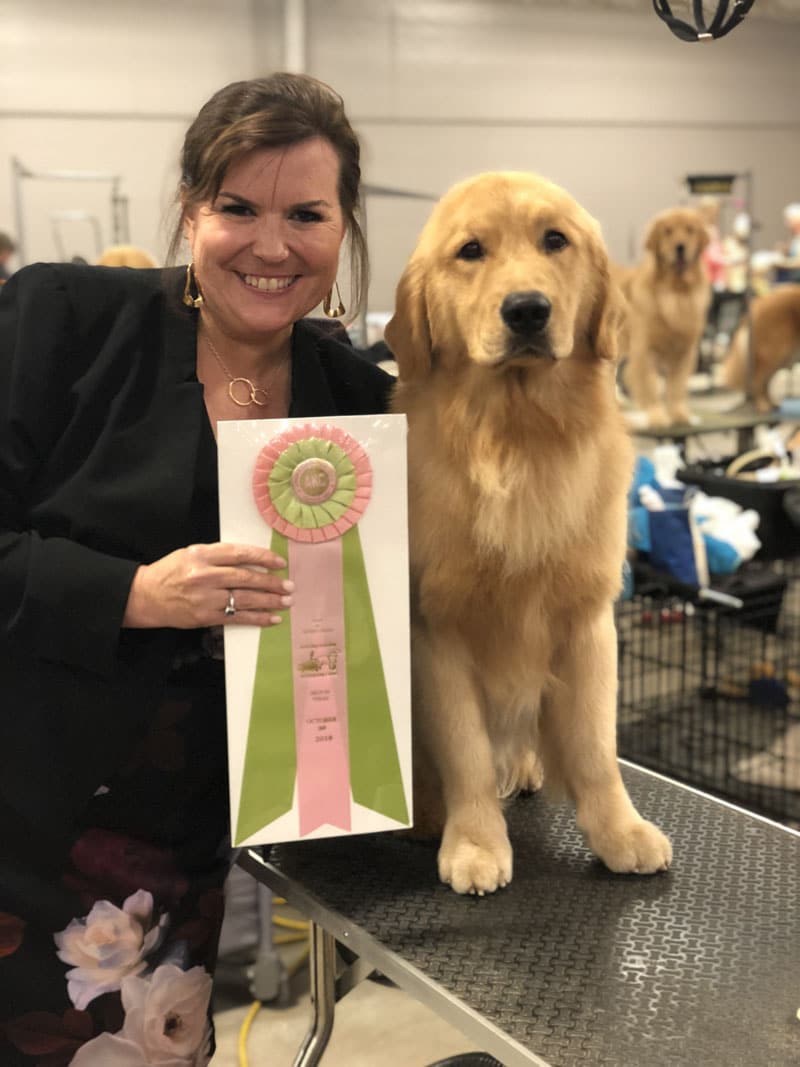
column 323, row 997
column 119, row 204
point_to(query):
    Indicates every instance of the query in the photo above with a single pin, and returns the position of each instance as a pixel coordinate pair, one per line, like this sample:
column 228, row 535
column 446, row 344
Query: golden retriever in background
column 774, row 319
column 668, row 295
column 505, row 335
column 126, row 256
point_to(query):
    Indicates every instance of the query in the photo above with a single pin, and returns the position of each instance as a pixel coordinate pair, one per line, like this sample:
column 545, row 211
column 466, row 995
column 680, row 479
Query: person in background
column 114, row 585
column 7, row 250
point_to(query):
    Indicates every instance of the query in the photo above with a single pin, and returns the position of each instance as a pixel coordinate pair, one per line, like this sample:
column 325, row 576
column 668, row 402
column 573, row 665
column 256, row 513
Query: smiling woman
column 265, row 251
column 114, row 584
column 267, row 196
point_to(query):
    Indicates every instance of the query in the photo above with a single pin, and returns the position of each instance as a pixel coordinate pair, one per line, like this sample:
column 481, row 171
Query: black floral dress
column 108, row 940
column 109, row 934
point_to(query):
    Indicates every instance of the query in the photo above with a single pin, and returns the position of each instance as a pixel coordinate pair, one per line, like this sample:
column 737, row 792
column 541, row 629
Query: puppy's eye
column 471, row 250
column 668, row 231
column 554, row 241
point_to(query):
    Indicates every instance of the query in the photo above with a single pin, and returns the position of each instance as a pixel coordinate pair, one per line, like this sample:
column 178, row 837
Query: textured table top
column 574, row 965
column 745, row 418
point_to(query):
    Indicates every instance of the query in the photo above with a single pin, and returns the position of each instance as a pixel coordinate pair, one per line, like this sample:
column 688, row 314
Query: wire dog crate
column 710, row 692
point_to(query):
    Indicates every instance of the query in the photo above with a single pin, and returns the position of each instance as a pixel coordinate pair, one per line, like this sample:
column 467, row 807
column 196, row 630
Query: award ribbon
column 320, row 709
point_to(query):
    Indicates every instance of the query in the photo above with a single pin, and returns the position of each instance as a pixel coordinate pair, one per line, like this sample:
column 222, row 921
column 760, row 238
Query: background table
column 743, row 421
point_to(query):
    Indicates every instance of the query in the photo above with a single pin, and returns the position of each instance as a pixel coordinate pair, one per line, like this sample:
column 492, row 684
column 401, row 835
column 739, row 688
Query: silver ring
column 230, row 607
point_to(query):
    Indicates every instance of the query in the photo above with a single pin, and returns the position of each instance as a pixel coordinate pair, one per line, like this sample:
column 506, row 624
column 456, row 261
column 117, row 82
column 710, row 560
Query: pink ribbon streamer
column 320, row 685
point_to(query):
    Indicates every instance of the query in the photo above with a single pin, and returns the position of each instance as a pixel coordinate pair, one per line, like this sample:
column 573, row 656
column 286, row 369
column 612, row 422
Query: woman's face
column 266, row 249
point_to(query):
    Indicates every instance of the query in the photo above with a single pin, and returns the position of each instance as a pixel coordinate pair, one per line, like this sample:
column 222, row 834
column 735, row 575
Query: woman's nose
column 270, row 242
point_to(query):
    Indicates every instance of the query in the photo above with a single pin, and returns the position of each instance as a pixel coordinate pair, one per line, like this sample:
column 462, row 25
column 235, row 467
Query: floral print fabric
column 108, row 945
column 108, row 940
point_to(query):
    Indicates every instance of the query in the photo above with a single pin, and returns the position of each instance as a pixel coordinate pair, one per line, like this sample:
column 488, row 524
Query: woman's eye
column 236, row 209
column 304, row 214
column 471, row 250
column 554, row 241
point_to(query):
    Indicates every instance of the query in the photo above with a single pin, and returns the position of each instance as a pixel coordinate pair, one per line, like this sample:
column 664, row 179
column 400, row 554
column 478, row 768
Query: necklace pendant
column 260, row 396
column 242, row 392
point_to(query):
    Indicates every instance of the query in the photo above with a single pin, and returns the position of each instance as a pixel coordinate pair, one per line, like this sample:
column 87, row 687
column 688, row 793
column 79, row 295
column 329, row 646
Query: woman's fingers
column 223, row 554
column 255, row 600
column 245, row 607
column 255, row 582
column 191, row 586
column 244, row 617
column 237, row 567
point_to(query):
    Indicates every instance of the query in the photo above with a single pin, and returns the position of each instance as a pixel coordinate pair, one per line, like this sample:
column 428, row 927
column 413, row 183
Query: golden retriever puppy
column 668, row 295
column 775, row 324
column 505, row 336
column 126, row 256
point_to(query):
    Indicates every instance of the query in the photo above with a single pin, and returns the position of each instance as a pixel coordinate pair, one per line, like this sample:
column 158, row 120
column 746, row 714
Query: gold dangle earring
column 333, row 312
column 189, row 300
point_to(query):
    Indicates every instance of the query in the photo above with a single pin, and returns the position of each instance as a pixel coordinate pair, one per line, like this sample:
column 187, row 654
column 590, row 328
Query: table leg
column 322, row 966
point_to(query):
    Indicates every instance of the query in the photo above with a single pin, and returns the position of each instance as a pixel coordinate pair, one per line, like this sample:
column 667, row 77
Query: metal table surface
column 571, row 964
column 745, row 418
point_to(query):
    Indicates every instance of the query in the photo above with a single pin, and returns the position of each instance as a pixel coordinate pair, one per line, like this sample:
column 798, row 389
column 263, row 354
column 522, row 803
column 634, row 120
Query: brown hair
column 273, row 112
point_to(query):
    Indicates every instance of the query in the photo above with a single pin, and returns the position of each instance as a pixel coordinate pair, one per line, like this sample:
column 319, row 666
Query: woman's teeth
column 267, row 284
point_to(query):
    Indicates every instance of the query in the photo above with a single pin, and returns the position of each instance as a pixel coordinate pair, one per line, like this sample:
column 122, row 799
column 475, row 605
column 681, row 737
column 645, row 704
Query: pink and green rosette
column 320, row 717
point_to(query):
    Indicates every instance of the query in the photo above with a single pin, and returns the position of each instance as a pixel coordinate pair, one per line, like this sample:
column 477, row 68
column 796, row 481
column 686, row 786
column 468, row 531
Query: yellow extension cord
column 300, row 933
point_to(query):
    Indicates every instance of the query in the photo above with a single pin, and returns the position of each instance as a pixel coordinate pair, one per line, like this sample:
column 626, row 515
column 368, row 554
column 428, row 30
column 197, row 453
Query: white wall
column 110, row 87
column 607, row 103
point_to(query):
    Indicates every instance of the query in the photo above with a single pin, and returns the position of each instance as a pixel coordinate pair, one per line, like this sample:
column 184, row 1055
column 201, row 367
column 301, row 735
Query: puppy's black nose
column 526, row 313
column 680, row 251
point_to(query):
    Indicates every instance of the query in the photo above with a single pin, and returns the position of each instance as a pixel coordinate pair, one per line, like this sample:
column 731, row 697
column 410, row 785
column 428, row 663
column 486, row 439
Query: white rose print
column 107, row 945
column 166, row 1023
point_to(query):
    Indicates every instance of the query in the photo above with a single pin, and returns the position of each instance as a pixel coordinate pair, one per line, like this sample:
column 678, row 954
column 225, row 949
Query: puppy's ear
column 608, row 316
column 407, row 333
column 651, row 237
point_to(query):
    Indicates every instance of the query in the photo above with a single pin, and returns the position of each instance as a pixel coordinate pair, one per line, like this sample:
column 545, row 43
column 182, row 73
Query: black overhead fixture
column 704, row 27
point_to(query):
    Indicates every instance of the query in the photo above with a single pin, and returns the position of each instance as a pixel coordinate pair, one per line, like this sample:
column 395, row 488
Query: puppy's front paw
column 475, row 868
column 680, row 414
column 633, row 848
column 657, row 418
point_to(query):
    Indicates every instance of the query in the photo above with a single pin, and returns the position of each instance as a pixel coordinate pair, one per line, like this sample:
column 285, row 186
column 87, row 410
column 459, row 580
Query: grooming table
column 570, row 964
column 742, row 421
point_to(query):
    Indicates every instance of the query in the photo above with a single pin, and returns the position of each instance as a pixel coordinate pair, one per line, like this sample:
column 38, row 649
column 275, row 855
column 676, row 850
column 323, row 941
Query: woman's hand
column 192, row 587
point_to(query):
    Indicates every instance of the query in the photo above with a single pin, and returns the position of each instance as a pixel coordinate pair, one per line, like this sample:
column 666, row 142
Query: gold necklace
column 251, row 393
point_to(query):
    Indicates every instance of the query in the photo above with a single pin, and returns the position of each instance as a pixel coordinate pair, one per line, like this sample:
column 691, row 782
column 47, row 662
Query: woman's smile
column 268, row 283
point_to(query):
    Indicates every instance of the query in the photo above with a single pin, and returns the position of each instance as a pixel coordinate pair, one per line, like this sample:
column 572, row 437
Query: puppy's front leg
column 475, row 854
column 677, row 385
column 643, row 380
column 578, row 737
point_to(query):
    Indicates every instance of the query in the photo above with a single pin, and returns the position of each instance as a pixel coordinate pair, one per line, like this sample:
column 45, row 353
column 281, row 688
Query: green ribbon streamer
column 374, row 764
column 271, row 755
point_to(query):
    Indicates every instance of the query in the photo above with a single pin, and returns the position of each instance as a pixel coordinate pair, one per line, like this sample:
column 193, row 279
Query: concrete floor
column 375, row 1024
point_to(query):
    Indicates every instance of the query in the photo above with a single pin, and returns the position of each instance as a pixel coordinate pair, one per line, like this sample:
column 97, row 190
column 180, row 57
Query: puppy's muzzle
column 526, row 314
